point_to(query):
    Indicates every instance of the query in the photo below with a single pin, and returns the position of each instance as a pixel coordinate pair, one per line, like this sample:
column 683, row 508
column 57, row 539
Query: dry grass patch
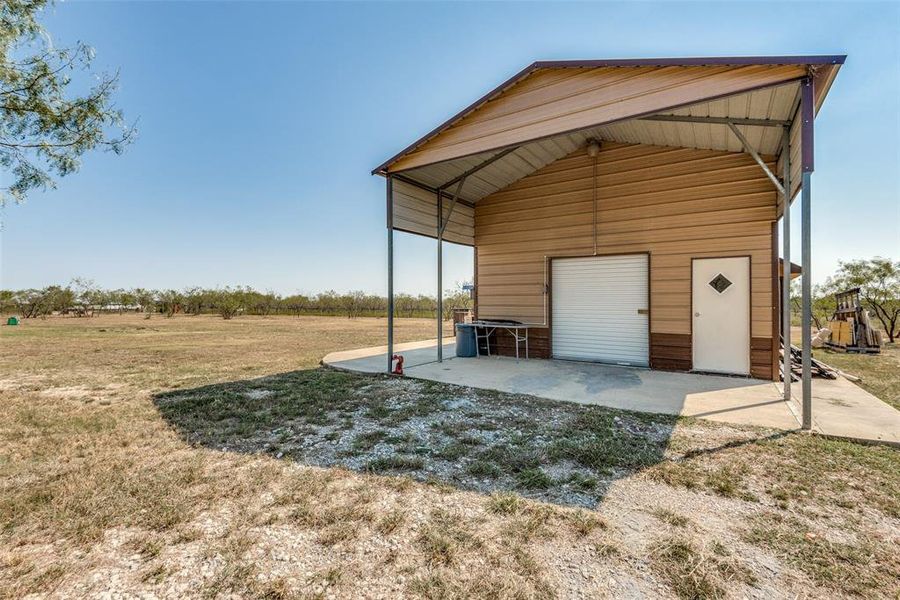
column 788, row 470
column 445, row 535
column 154, row 575
column 526, row 519
column 389, row 522
column 583, row 522
column 276, row 589
column 209, row 492
column 86, row 452
column 697, row 570
column 505, row 503
column 670, row 517
column 449, row 584
column 864, row 565
column 20, row 576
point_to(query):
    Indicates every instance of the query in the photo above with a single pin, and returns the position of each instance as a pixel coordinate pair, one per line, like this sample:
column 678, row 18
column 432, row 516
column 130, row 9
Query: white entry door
column 600, row 309
column 721, row 315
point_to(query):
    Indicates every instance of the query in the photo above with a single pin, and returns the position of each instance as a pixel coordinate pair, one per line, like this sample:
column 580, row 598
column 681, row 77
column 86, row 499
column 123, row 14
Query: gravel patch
column 471, row 439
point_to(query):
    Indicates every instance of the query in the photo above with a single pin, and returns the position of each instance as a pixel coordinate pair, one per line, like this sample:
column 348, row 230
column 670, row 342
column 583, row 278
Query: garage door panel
column 595, row 309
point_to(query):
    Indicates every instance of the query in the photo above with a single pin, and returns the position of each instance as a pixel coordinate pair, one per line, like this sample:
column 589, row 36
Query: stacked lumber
column 818, row 368
column 851, row 328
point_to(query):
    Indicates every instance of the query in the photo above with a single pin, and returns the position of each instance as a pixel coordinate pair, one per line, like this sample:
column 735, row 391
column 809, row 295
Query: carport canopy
column 764, row 106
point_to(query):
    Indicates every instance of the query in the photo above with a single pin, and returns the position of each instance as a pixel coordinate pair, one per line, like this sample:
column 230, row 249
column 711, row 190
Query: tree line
column 877, row 278
column 81, row 298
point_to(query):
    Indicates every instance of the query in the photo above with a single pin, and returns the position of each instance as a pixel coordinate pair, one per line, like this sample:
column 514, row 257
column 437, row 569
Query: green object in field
column 12, row 321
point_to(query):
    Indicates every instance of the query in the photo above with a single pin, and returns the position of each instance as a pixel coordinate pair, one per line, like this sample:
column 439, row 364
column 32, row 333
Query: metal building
column 626, row 210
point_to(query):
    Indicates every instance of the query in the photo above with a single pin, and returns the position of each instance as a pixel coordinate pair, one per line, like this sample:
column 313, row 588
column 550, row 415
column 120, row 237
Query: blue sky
column 260, row 124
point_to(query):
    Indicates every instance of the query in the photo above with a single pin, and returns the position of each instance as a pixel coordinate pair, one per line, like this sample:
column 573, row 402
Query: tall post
column 786, row 270
column 807, row 112
column 390, row 272
column 440, row 273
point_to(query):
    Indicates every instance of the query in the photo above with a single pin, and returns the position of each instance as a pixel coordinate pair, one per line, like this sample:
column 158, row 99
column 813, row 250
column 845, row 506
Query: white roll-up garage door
column 600, row 309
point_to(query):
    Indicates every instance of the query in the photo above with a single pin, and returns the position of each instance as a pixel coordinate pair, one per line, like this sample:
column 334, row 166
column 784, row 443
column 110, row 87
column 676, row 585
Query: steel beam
column 752, row 152
column 479, row 167
column 718, row 120
column 807, row 116
column 428, row 188
column 390, row 271
column 452, row 204
column 786, row 270
column 806, row 301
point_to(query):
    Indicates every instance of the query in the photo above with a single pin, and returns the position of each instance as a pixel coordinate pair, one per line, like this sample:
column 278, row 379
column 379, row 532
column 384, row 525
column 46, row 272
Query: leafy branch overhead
column 45, row 127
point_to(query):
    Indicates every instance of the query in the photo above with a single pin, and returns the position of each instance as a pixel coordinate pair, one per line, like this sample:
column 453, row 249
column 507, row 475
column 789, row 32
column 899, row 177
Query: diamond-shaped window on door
column 720, row 283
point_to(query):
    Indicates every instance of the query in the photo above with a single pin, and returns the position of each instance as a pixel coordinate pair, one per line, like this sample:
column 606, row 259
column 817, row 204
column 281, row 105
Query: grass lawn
column 199, row 457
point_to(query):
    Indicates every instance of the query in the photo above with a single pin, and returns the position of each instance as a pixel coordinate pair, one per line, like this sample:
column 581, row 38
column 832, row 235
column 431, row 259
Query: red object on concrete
column 398, row 367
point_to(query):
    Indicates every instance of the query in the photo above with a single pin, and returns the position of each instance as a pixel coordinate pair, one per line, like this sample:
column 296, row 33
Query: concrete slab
column 374, row 359
column 840, row 408
column 733, row 400
column 843, row 409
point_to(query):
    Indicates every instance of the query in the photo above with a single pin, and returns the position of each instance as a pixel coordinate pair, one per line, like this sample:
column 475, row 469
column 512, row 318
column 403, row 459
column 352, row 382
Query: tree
column 821, row 302
column 297, row 304
column 45, row 128
column 456, row 298
column 7, row 301
column 328, row 302
column 40, row 303
column 169, row 302
column 87, row 296
column 353, row 303
column 146, row 300
column 228, row 302
column 878, row 280
column 194, row 300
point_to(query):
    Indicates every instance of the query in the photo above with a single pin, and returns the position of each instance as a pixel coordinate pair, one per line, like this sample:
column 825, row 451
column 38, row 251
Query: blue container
column 465, row 340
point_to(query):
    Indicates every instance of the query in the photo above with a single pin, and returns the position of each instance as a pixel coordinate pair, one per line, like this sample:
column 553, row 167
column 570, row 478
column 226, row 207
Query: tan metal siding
column 674, row 203
column 415, row 211
column 549, row 102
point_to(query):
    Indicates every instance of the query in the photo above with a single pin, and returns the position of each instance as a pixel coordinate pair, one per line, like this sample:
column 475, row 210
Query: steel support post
column 390, row 272
column 786, row 270
column 440, row 273
column 807, row 112
column 806, row 293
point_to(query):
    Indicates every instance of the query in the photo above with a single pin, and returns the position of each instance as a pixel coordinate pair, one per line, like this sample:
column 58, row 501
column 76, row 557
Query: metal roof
column 770, row 105
column 812, row 60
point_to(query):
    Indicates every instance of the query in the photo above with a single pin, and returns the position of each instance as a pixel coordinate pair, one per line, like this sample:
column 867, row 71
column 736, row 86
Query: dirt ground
column 196, row 457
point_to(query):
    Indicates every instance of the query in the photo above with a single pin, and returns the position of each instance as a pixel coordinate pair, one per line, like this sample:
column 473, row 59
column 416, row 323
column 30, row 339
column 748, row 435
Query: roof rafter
column 479, row 166
column 718, row 120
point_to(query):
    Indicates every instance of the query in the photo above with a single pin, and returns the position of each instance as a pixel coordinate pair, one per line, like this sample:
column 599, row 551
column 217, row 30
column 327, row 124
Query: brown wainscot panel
column 670, row 351
column 503, row 344
column 761, row 357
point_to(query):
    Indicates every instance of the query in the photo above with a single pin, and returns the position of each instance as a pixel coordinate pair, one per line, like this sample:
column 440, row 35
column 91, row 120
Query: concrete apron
column 840, row 408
